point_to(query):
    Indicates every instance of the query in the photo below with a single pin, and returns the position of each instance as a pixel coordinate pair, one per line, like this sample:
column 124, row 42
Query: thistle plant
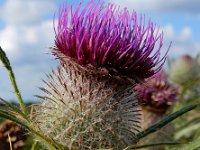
column 88, row 102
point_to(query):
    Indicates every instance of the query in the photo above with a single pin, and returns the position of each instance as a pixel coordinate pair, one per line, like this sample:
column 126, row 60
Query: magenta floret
column 106, row 36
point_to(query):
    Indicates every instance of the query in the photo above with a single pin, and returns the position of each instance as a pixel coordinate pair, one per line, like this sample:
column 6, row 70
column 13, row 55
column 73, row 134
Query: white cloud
column 26, row 48
column 21, row 12
column 18, row 41
column 186, row 34
column 183, row 41
column 26, row 26
column 25, row 38
column 9, row 39
column 191, row 6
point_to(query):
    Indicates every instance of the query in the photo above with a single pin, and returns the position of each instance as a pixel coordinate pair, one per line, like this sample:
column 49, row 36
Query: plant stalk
column 18, row 94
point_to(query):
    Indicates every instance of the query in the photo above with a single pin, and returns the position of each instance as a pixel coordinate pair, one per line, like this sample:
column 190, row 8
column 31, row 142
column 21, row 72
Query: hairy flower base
column 85, row 107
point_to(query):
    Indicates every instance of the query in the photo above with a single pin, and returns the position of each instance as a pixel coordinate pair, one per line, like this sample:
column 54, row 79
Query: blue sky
column 26, row 33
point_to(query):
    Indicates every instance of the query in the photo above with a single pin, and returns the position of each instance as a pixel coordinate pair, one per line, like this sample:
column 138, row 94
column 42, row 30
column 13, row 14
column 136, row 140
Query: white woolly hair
column 86, row 108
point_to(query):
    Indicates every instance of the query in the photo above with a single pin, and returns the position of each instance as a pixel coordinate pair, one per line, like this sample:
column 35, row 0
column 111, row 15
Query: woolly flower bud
column 105, row 36
column 184, row 69
column 84, row 107
column 157, row 94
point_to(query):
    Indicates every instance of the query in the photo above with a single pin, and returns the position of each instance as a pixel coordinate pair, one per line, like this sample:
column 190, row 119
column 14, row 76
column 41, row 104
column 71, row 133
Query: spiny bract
column 87, row 109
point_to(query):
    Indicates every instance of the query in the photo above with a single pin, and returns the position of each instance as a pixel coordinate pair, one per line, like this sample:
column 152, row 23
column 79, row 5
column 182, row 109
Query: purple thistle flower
column 156, row 93
column 107, row 37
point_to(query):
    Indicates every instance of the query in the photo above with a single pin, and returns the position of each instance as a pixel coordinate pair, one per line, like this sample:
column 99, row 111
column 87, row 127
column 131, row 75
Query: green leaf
column 166, row 120
column 14, row 108
column 8, row 115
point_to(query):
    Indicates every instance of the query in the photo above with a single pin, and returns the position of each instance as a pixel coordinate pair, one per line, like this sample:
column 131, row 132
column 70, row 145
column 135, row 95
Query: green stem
column 18, row 94
column 7, row 65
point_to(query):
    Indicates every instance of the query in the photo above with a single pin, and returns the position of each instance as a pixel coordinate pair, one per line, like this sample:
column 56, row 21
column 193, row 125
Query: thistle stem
column 7, row 65
column 17, row 92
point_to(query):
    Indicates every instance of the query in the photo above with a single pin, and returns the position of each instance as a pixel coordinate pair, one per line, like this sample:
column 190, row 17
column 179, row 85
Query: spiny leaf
column 7, row 115
column 14, row 108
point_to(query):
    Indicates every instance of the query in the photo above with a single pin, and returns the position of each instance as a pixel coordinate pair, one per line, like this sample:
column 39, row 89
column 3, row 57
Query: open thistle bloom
column 89, row 100
column 107, row 37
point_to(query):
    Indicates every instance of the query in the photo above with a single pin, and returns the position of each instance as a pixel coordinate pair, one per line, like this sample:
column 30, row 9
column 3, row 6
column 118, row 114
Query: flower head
column 89, row 100
column 107, row 37
column 156, row 93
